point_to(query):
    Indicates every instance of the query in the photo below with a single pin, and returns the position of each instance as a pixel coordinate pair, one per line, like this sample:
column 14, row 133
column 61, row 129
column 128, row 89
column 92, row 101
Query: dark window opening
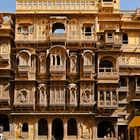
column 4, row 121
column 88, row 31
column 109, row 35
column 107, row 95
column 58, row 60
column 25, row 127
column 106, row 129
column 138, row 82
column 101, row 37
column 57, row 129
column 25, row 30
column 125, row 38
column 42, row 127
column 101, row 96
column 19, row 29
column 72, row 127
column 123, row 82
column 58, row 28
column 53, row 57
column 106, row 64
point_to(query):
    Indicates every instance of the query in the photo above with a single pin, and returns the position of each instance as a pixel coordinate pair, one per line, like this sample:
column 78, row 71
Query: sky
column 10, row 5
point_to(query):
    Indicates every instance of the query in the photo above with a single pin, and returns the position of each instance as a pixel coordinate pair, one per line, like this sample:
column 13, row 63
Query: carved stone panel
column 86, row 94
column 72, row 95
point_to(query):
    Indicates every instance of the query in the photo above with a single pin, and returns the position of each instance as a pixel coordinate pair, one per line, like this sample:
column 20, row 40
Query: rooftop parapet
column 56, row 6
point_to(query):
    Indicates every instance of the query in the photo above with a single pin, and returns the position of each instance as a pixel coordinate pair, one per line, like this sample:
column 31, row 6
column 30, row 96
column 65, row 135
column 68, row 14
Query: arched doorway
column 57, row 129
column 106, row 130
column 43, row 127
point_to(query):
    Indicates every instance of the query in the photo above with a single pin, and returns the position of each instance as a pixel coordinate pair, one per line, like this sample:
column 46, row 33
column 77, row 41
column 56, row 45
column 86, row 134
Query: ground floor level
column 61, row 127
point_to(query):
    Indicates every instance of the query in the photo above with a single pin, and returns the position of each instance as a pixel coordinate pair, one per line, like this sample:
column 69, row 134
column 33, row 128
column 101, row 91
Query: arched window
column 23, row 58
column 42, row 127
column 88, row 31
column 125, row 38
column 72, row 127
column 87, row 59
column 58, row 60
column 58, row 28
column 25, row 127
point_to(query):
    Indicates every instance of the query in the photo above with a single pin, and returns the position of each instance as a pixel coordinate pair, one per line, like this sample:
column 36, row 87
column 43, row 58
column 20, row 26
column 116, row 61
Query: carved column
column 12, row 131
column 78, row 131
column 116, row 130
column 36, row 131
column 65, row 130
column 49, row 131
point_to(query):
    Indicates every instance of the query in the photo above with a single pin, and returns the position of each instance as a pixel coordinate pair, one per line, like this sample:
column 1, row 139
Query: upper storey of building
column 66, row 6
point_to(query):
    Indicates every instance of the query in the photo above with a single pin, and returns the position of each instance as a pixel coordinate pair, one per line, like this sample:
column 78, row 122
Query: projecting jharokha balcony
column 23, row 68
column 107, row 72
column 107, row 4
column 57, row 69
column 58, row 36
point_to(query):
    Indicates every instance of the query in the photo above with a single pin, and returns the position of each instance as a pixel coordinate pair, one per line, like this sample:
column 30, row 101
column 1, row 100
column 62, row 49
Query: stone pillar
column 65, row 131
column 78, row 131
column 36, row 131
column 49, row 131
column 116, row 130
column 94, row 133
column 12, row 131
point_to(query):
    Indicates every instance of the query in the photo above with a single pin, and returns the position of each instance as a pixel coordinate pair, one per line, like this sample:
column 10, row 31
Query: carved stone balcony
column 108, row 104
column 23, row 70
column 72, row 103
column 24, row 106
column 88, row 68
column 42, row 104
column 107, row 4
column 123, row 89
column 109, row 40
column 57, row 70
column 4, row 62
column 108, row 74
column 138, row 90
column 25, row 37
column 4, row 101
column 58, row 37
column 57, row 102
column 88, row 39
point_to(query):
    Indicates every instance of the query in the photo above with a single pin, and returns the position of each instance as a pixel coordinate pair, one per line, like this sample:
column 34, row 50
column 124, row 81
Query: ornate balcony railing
column 108, row 104
column 107, row 4
column 23, row 68
column 108, row 72
column 57, row 68
column 58, row 36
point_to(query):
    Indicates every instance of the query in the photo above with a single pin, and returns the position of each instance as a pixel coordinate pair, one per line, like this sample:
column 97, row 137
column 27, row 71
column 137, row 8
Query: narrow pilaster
column 78, row 131
column 49, row 131
column 36, row 131
column 65, row 131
